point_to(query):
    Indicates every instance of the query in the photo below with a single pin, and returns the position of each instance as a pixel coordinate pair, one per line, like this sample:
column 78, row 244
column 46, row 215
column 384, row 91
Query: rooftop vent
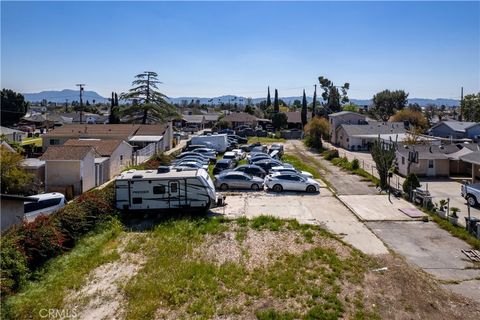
column 163, row 169
column 137, row 176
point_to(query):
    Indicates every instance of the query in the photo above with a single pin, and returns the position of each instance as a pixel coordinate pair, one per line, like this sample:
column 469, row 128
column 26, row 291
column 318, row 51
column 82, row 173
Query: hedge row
column 26, row 247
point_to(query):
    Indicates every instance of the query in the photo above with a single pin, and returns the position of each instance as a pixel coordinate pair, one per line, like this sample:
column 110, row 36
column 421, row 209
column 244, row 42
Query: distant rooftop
column 66, row 152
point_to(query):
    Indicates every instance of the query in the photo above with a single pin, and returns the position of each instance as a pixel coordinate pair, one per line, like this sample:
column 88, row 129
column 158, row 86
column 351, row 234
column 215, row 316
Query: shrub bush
column 13, row 266
column 410, row 183
column 355, row 164
column 330, row 154
column 39, row 240
column 28, row 246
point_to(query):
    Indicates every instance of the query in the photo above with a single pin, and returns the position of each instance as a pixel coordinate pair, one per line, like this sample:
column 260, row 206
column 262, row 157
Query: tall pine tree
column 304, row 109
column 269, row 100
column 276, row 107
column 314, row 102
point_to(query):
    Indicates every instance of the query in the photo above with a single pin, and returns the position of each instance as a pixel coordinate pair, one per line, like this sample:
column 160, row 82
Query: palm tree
column 150, row 104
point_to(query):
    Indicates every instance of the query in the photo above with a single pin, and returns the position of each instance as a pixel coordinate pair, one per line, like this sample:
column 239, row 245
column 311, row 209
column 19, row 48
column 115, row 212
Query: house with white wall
column 69, row 170
column 343, row 117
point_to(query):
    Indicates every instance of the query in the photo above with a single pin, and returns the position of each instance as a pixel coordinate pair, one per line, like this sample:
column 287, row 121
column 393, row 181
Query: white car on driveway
column 291, row 181
column 291, row 170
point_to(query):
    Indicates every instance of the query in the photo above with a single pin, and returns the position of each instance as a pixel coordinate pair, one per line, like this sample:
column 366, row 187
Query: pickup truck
column 471, row 192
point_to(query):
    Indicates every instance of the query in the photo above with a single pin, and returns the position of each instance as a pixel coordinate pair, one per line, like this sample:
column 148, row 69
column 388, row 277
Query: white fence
column 144, row 154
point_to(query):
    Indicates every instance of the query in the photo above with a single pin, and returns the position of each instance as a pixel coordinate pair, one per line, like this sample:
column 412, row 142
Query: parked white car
column 290, row 181
column 240, row 153
column 291, row 170
column 231, row 155
column 47, row 203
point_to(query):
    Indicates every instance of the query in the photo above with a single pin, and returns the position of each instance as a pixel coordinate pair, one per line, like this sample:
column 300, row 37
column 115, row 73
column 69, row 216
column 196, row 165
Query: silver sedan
column 238, row 180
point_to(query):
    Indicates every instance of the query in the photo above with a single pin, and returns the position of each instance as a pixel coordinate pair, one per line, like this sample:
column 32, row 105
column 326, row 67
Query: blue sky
column 429, row 49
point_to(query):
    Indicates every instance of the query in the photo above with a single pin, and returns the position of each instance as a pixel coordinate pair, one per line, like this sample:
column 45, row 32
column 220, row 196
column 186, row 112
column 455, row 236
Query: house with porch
column 361, row 136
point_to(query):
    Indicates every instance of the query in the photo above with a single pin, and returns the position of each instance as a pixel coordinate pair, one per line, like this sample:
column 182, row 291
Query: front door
column 431, row 168
column 174, row 194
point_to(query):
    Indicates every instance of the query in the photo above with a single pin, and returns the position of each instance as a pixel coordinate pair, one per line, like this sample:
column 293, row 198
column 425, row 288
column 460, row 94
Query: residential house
column 236, row 119
column 456, row 130
column 361, row 136
column 343, row 117
column 69, row 169
column 12, row 135
column 118, row 154
column 424, row 159
column 137, row 135
column 12, row 210
column 294, row 120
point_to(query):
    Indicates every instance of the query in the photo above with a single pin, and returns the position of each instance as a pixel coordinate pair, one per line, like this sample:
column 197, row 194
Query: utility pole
column 81, row 85
column 461, row 103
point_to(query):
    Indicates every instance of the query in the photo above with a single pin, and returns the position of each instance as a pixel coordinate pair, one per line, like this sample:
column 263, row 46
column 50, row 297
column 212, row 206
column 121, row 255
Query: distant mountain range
column 73, row 95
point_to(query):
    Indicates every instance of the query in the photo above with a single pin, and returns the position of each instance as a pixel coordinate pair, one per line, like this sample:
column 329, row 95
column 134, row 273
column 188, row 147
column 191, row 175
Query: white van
column 47, row 203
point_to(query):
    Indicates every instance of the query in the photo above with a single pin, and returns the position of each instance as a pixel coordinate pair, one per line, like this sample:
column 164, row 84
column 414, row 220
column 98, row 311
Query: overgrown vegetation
column 27, row 247
column 316, row 130
column 14, row 179
column 353, row 166
column 265, row 140
column 177, row 279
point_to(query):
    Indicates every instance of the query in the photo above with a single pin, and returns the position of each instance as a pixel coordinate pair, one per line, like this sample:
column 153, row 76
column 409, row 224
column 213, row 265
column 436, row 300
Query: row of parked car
column 264, row 169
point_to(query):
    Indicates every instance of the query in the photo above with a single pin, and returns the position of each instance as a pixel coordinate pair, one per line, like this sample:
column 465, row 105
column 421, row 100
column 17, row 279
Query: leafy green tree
column 269, row 100
column 148, row 101
column 334, row 98
column 276, row 106
column 279, row 120
column 304, row 109
column 415, row 118
column 470, row 107
column 350, row 107
column 249, row 109
column 13, row 107
column 296, row 104
column 383, row 154
column 316, row 130
column 14, row 179
column 386, row 103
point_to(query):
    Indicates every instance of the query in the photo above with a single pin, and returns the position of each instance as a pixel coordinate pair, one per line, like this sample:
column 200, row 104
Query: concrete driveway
column 322, row 209
column 447, row 188
column 435, row 251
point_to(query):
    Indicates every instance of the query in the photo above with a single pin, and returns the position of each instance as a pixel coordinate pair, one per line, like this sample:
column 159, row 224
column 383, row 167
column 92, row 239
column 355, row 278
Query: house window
column 403, row 160
column 121, row 159
column 159, row 190
column 348, row 139
column 430, row 164
column 54, row 142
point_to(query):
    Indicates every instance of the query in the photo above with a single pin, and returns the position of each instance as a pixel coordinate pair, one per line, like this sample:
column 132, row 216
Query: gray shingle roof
column 428, row 152
column 456, row 125
column 473, row 157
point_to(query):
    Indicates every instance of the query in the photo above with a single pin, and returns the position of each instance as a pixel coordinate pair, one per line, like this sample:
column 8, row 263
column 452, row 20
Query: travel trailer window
column 173, row 187
column 159, row 190
column 137, row 200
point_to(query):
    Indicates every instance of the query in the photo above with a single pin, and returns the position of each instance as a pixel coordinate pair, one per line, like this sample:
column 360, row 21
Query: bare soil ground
column 102, row 296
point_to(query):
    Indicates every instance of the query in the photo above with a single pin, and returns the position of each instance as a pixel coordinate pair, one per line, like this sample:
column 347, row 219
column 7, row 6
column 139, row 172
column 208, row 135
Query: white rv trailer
column 165, row 190
column 219, row 142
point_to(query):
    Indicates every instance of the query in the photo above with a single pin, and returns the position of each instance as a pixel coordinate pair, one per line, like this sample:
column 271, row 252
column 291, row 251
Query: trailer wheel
column 472, row 201
column 311, row 189
column 224, row 186
column 255, row 187
column 277, row 188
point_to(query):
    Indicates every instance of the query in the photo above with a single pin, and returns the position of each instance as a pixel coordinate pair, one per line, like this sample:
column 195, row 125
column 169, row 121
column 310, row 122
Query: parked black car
column 251, row 169
column 223, row 164
column 238, row 138
column 268, row 164
column 227, row 131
